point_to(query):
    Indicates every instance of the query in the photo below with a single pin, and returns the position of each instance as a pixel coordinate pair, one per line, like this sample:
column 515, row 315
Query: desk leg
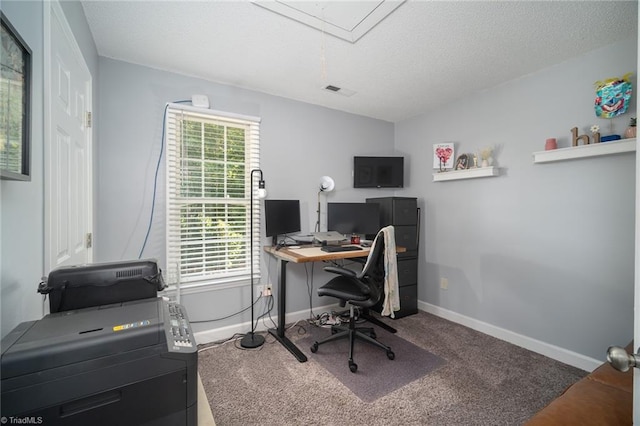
column 282, row 297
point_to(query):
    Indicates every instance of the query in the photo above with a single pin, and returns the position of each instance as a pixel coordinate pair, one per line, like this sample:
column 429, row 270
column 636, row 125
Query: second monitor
column 282, row 217
column 353, row 218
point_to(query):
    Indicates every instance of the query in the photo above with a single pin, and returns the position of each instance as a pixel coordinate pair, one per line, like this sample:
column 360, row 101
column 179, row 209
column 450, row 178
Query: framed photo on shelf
column 443, row 155
column 462, row 162
column 15, row 100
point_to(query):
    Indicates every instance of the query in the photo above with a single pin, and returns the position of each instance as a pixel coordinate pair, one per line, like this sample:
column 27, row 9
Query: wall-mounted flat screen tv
column 378, row 172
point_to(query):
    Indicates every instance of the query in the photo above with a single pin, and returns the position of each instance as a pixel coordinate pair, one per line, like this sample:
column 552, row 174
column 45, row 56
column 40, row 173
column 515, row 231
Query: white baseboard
column 555, row 352
column 213, row 335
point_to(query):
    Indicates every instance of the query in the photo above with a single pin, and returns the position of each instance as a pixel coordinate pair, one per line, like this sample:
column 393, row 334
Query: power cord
column 228, row 316
column 155, row 180
column 219, row 343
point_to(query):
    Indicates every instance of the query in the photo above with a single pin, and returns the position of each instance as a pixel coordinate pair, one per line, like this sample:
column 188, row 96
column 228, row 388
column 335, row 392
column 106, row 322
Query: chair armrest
column 341, row 271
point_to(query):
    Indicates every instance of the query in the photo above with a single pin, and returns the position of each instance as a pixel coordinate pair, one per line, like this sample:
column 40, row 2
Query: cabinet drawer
column 397, row 210
column 405, row 212
column 408, row 301
column 406, row 237
column 407, row 272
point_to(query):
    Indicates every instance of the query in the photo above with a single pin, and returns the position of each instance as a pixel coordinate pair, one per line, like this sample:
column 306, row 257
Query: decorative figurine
column 576, row 138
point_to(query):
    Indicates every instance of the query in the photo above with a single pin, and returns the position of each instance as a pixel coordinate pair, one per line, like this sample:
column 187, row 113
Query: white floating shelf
column 478, row 172
column 583, row 151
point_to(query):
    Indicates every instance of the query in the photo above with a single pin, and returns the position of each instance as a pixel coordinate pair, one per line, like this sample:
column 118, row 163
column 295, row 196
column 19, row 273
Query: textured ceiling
column 422, row 55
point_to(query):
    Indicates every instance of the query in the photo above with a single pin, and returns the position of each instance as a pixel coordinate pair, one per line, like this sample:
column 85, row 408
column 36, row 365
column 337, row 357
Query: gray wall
column 22, row 203
column 299, row 143
column 544, row 250
column 22, row 228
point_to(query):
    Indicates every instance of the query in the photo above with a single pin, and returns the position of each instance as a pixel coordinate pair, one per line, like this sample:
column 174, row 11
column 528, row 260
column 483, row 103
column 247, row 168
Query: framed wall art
column 15, row 104
column 443, row 155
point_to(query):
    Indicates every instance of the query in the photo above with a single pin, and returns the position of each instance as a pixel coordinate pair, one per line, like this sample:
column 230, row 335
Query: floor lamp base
column 252, row 340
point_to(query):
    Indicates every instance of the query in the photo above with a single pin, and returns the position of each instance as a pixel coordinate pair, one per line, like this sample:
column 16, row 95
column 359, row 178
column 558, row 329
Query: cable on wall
column 155, row 180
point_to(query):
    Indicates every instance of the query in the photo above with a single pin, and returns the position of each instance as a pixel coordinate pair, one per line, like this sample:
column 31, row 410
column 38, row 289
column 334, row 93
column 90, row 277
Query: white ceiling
column 421, row 55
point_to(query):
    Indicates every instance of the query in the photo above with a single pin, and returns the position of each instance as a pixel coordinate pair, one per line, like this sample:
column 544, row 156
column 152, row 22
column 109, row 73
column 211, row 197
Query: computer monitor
column 353, row 218
column 281, row 217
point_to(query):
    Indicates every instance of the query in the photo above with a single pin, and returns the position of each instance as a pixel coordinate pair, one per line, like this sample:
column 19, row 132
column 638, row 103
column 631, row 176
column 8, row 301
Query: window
column 15, row 104
column 210, row 156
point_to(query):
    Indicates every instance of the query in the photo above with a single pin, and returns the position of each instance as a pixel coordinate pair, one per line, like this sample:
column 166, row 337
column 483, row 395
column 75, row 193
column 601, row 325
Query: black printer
column 95, row 284
column 129, row 363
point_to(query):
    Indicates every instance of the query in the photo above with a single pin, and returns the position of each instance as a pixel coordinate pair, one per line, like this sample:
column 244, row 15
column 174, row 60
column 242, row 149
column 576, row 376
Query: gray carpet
column 481, row 381
column 376, row 375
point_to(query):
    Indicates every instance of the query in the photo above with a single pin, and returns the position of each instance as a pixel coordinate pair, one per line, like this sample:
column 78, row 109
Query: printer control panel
column 178, row 330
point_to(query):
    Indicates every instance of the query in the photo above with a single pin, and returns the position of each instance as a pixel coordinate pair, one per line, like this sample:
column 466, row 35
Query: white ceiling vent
column 339, row 90
column 348, row 20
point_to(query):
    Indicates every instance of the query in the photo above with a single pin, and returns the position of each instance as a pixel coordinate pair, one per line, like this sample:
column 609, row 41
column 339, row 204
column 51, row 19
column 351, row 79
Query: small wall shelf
column 466, row 174
column 583, row 151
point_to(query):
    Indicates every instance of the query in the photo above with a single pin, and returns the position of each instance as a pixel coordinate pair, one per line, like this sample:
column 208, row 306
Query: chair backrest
column 373, row 272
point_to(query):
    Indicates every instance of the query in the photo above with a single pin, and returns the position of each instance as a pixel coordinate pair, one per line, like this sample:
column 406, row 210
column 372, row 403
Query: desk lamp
column 252, row 340
column 326, row 185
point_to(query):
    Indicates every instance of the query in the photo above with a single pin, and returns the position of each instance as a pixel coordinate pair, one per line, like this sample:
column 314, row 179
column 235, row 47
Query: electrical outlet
column 444, row 283
column 268, row 290
column 259, row 289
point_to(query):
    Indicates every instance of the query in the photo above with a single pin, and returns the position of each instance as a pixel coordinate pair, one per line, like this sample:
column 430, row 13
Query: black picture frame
column 15, row 104
column 462, row 162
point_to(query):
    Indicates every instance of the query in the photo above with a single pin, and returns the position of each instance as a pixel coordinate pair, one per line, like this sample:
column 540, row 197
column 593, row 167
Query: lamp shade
column 327, row 184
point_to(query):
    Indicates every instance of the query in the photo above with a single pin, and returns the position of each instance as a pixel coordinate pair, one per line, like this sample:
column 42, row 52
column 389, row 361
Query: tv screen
column 281, row 217
column 378, row 172
column 353, row 218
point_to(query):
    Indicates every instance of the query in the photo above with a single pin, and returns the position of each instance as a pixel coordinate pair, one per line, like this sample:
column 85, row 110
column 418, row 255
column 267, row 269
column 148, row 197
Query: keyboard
column 332, row 249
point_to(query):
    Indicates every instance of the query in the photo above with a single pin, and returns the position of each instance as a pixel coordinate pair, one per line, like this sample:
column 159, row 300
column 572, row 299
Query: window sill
column 203, row 287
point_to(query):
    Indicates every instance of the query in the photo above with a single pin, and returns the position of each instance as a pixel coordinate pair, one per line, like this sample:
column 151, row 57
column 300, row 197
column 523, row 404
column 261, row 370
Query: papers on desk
column 306, row 238
column 328, row 237
column 307, row 251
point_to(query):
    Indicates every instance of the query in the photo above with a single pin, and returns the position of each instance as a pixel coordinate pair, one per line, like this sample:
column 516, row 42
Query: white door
column 68, row 186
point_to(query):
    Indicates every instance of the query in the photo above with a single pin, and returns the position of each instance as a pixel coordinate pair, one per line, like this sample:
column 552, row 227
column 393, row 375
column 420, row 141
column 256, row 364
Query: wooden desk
column 304, row 254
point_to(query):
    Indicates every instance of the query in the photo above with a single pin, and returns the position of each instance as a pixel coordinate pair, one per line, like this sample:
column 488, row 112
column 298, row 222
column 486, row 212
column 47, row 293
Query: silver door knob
column 621, row 360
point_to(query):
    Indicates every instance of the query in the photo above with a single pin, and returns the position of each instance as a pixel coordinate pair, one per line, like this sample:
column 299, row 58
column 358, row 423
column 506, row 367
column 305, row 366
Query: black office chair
column 363, row 289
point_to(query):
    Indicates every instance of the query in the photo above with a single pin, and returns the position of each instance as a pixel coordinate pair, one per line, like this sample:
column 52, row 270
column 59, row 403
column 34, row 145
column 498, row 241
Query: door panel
column 68, row 171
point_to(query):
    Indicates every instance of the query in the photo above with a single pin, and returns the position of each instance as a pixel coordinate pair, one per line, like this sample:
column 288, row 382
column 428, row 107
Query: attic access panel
column 348, row 20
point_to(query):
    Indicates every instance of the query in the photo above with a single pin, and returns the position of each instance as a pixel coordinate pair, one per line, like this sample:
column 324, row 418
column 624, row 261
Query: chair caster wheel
column 391, row 355
column 353, row 366
column 314, row 347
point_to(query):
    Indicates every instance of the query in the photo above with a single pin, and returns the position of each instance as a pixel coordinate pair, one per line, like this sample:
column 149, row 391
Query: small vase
column 550, row 144
column 630, row 132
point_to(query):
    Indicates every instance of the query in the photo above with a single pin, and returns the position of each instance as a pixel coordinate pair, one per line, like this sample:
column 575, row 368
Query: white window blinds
column 210, row 156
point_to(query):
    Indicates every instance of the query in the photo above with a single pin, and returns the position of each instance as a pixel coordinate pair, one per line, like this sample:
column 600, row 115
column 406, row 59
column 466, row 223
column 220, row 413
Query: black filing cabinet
column 402, row 213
